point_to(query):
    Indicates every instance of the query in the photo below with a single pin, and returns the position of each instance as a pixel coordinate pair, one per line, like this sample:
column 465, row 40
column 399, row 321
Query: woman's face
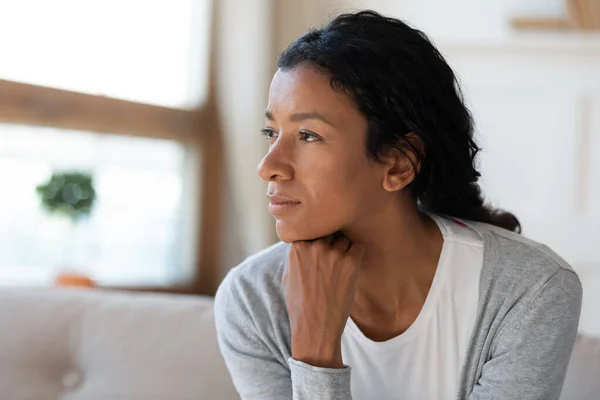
column 320, row 178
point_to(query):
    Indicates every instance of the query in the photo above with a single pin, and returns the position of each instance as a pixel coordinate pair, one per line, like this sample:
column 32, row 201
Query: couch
column 69, row 344
column 78, row 344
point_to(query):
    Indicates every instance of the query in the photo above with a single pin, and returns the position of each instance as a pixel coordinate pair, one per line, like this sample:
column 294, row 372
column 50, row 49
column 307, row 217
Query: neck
column 403, row 246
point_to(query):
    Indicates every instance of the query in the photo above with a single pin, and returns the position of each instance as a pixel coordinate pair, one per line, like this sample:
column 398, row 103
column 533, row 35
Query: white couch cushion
column 60, row 344
column 583, row 376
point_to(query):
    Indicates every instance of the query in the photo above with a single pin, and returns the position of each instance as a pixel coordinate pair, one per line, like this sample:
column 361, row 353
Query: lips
column 280, row 204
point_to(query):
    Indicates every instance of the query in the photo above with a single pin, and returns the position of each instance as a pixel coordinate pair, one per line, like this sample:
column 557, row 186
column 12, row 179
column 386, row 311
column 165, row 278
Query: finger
column 342, row 243
column 300, row 245
column 357, row 251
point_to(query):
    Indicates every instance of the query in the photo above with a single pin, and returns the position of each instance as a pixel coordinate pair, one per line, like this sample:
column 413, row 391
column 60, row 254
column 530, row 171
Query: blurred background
column 129, row 129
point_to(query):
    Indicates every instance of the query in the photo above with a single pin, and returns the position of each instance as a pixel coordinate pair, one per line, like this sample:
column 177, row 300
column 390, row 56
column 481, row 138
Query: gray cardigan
column 528, row 312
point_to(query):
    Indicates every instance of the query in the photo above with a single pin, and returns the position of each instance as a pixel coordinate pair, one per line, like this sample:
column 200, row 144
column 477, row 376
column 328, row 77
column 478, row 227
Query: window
column 134, row 233
column 146, row 51
column 117, row 90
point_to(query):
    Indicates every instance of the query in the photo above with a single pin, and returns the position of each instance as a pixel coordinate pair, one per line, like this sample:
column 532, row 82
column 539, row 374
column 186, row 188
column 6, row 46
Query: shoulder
column 520, row 269
column 508, row 251
column 254, row 286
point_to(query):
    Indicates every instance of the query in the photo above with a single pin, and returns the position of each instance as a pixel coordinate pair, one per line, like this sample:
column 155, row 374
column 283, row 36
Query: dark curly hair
column 402, row 85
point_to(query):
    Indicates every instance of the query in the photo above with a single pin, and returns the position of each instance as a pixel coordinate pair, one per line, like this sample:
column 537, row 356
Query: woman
column 393, row 279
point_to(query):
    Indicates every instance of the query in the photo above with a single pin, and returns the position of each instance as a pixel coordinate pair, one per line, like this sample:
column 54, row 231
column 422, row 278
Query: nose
column 275, row 165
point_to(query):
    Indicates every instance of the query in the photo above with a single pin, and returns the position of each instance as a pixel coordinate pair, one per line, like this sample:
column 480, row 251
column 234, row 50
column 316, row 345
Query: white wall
column 443, row 18
column 245, row 62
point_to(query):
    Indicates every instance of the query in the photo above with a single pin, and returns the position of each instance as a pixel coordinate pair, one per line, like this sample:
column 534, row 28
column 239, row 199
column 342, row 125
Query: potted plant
column 71, row 196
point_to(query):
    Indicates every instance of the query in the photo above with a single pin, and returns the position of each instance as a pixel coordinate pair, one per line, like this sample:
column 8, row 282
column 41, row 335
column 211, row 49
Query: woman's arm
column 257, row 366
column 531, row 354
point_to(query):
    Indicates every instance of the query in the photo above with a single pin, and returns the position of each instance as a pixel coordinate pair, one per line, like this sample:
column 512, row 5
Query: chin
column 289, row 232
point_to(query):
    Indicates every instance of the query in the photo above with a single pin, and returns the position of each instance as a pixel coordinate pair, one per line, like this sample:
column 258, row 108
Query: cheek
column 334, row 192
column 334, row 195
column 340, row 180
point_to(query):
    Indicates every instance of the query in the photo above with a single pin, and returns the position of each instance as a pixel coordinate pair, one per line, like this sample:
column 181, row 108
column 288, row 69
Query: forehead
column 306, row 89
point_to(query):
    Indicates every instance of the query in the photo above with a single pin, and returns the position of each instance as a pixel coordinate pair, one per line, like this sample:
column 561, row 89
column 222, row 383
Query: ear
column 403, row 163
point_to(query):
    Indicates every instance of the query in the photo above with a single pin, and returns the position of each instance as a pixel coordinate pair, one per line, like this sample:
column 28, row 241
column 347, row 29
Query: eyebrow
column 301, row 117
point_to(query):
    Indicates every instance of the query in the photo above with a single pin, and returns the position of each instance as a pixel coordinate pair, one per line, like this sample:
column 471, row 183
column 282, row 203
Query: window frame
column 27, row 104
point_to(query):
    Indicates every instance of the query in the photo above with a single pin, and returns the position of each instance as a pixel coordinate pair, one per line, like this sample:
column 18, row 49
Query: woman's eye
column 308, row 137
column 270, row 134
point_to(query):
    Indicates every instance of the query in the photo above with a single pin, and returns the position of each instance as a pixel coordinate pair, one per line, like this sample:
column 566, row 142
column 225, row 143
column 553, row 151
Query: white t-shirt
column 425, row 361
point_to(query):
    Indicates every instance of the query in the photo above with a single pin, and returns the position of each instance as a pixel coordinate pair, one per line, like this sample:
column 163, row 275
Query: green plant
column 68, row 193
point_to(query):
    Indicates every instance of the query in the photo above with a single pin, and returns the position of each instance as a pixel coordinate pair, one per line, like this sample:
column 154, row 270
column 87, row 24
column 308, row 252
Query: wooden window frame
column 27, row 104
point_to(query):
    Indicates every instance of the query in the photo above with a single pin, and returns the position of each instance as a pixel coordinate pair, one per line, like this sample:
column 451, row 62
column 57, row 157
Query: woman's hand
column 319, row 285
